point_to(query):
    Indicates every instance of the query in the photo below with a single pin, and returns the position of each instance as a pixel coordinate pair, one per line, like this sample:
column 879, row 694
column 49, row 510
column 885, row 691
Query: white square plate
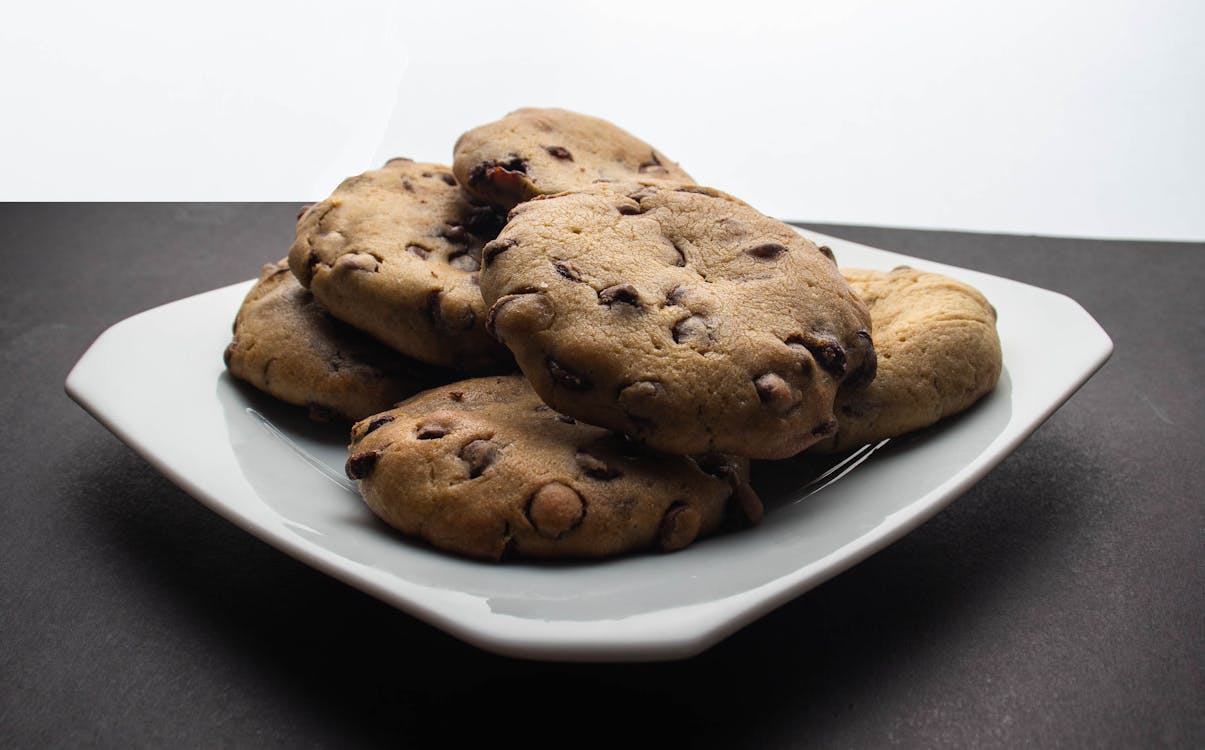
column 157, row 381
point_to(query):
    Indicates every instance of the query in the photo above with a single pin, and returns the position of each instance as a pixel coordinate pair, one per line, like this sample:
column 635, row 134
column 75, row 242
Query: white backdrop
column 1044, row 117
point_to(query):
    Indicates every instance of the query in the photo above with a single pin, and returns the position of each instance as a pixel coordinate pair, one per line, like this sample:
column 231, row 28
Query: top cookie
column 534, row 152
column 680, row 316
column 938, row 354
column 395, row 252
column 286, row 345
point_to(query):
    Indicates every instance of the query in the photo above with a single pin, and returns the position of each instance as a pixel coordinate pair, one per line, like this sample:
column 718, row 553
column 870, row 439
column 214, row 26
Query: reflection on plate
column 268, row 469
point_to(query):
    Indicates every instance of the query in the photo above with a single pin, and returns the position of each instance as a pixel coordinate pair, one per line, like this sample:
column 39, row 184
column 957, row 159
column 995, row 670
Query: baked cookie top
column 938, row 353
column 534, row 152
column 395, row 252
column 484, row 468
column 288, row 346
column 678, row 315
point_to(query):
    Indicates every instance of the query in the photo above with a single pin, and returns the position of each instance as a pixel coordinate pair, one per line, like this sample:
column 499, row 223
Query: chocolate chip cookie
column 288, row 346
column 395, row 252
column 938, row 354
column 677, row 315
column 484, row 468
column 534, row 152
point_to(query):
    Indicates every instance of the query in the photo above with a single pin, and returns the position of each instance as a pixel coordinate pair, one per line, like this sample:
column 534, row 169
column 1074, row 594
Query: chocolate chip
column 825, row 349
column 627, row 209
column 567, row 269
column 479, row 455
column 490, row 170
column 868, row 362
column 493, row 249
column 484, row 221
column 432, row 430
column 679, row 527
column 766, row 250
column 595, row 467
column 477, row 173
column 448, row 178
column 827, row 252
column 567, row 378
column 373, row 425
column 831, row 357
column 361, row 465
column 406, row 183
column 776, row 393
column 515, row 164
column 625, row 293
column 559, row 152
column 555, row 510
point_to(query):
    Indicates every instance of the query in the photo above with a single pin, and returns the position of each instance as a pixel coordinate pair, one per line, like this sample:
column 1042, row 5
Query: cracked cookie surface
column 484, row 468
column 288, row 346
column 395, row 252
column 938, row 353
column 534, row 152
column 678, row 315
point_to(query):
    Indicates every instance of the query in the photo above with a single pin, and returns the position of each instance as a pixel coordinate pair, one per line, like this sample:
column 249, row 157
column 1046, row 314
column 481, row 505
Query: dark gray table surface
column 1058, row 603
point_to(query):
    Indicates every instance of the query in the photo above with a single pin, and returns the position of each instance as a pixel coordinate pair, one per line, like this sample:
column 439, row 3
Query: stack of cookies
column 564, row 347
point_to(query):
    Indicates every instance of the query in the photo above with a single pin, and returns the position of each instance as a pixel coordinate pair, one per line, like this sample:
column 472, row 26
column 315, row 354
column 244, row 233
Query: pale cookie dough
column 484, row 468
column 395, row 253
column 938, row 354
column 534, row 152
column 288, row 346
column 679, row 316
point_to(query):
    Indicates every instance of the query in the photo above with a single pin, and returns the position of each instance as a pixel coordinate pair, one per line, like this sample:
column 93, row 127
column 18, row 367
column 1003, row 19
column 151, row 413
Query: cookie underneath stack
column 663, row 334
